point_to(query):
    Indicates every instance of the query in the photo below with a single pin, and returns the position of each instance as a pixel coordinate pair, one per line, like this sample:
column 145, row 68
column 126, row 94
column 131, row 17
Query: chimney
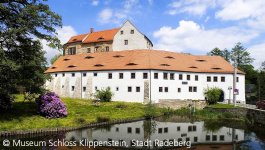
column 91, row 30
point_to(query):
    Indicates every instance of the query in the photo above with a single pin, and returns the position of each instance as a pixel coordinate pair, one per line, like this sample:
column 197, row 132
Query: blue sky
column 193, row 26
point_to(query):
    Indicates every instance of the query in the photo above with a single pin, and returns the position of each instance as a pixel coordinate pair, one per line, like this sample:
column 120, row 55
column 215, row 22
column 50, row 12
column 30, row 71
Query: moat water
column 172, row 132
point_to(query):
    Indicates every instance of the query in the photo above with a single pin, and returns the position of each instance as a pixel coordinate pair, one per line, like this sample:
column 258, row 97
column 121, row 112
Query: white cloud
column 192, row 7
column 257, row 52
column 95, row 2
column 190, row 36
column 126, row 11
column 64, row 35
column 105, row 16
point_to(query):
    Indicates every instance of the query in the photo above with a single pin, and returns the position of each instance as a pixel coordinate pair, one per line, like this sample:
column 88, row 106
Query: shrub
column 212, row 95
column 30, row 96
column 104, row 95
column 150, row 110
column 51, row 106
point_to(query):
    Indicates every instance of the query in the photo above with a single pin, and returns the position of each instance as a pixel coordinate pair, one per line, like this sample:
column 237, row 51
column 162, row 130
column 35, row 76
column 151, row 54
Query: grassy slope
column 80, row 112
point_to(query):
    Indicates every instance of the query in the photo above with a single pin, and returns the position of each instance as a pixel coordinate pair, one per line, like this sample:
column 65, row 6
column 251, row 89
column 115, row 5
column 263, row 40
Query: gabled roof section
column 77, row 38
column 142, row 60
column 99, row 36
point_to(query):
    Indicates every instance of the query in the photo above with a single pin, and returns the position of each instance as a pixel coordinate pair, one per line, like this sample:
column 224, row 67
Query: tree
column 54, row 58
column 218, row 52
column 22, row 62
column 240, row 54
column 261, row 82
column 212, row 95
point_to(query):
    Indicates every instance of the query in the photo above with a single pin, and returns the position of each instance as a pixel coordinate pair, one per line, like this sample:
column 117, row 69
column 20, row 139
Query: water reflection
column 197, row 134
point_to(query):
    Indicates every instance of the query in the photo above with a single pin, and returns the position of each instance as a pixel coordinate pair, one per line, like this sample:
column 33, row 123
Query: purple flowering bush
column 51, row 106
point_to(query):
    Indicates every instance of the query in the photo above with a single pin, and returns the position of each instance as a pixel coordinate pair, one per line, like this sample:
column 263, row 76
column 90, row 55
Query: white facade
column 84, row 84
column 135, row 39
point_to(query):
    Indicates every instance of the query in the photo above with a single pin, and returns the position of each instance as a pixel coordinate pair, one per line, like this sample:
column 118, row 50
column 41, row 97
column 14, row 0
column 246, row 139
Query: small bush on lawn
column 104, row 95
column 150, row 110
column 212, row 95
column 51, row 106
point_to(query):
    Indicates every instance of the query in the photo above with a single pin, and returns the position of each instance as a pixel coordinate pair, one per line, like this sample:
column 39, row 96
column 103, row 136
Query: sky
column 189, row 26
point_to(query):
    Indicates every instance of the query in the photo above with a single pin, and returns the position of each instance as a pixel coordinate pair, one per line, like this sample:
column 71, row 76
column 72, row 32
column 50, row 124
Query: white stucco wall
column 135, row 41
column 63, row 85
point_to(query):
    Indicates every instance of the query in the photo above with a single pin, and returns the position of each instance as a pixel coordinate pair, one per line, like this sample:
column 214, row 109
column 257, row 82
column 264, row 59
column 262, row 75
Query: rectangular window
column 222, row 137
column 165, row 75
column 179, row 90
column 107, row 48
column 166, row 89
column 132, row 75
column 196, row 77
column 89, row 50
column 172, row 76
column 125, row 42
column 137, row 130
column 72, row 51
column 84, row 89
column 222, row 79
column 155, row 75
column 165, row 130
column 95, row 74
column 214, row 138
column 208, row 79
column 55, row 74
column 160, row 89
column 117, row 129
column 215, row 79
column 160, row 130
column 188, row 77
column 96, row 49
column 110, row 75
column 121, row 75
column 121, row 32
column 195, row 139
column 84, row 74
column 178, row 128
column 73, row 88
column 180, row 77
column 190, row 88
column 73, row 74
column 138, row 89
column 187, row 139
column 62, row 86
column 96, row 88
column 194, row 89
column 132, row 31
column 129, row 89
column 63, row 74
column 117, row 88
column 129, row 130
column 208, row 137
column 237, row 79
column 145, row 75
column 194, row 128
column 189, row 128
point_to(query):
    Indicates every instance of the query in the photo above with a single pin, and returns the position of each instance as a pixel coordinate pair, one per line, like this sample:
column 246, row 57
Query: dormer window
column 132, row 31
column 194, row 67
column 98, row 65
column 100, row 38
column 71, row 66
column 131, row 64
column 169, row 57
column 53, row 67
column 164, row 65
column 89, row 57
column 121, row 32
column 66, row 59
column 117, row 56
column 201, row 60
column 217, row 68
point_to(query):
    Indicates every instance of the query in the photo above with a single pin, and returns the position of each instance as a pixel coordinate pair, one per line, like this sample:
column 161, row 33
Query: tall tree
column 261, row 82
column 22, row 62
column 240, row 54
column 54, row 58
column 218, row 52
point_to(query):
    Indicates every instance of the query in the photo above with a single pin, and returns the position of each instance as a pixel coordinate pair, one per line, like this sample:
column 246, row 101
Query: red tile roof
column 141, row 59
column 105, row 35
column 98, row 36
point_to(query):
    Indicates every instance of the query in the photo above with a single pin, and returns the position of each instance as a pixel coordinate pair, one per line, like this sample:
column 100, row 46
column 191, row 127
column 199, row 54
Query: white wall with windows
column 128, row 85
column 129, row 38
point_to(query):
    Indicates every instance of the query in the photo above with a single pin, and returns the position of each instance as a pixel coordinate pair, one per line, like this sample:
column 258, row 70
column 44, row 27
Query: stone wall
column 177, row 104
column 255, row 116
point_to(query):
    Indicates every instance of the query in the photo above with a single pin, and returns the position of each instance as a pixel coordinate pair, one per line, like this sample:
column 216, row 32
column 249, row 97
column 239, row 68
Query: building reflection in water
column 196, row 132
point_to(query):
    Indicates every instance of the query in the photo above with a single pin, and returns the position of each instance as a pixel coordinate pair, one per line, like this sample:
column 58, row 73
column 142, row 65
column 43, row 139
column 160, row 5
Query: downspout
column 150, row 79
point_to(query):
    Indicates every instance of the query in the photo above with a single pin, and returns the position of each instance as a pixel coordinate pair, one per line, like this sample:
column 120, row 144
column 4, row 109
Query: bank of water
column 172, row 132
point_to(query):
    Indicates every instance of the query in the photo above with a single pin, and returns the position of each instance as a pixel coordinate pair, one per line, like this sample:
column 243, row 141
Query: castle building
column 142, row 75
column 127, row 37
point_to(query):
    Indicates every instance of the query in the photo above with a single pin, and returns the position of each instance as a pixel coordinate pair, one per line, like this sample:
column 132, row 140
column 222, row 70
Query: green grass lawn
column 80, row 112
column 222, row 106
